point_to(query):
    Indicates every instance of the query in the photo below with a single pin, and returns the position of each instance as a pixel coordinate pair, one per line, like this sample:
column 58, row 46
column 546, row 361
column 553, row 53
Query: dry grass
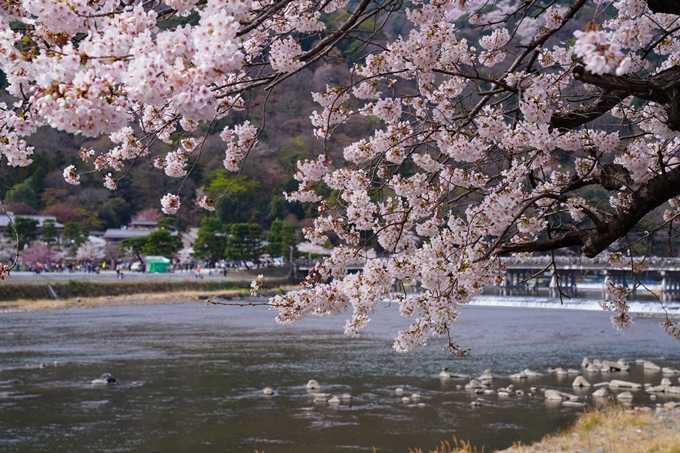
column 615, row 429
column 604, row 429
column 456, row 446
column 134, row 299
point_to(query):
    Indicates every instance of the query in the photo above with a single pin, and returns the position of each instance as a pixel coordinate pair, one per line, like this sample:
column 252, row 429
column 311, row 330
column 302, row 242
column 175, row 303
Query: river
column 191, row 378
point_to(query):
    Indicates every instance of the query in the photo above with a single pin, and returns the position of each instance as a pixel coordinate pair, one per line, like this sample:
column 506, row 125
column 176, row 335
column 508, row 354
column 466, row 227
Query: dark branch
column 646, row 198
column 664, row 6
column 656, row 88
column 662, row 88
column 583, row 115
column 545, row 245
column 613, row 177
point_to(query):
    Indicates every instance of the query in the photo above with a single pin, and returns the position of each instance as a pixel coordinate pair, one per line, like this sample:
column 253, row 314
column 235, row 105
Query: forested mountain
column 255, row 195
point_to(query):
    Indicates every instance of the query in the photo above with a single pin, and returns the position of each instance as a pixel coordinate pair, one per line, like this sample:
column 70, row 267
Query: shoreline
column 178, row 297
column 614, row 429
column 609, row 427
column 191, row 296
column 16, row 293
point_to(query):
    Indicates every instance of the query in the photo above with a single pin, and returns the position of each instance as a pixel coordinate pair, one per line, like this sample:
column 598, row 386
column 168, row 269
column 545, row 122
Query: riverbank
column 610, row 429
column 137, row 294
column 59, row 287
column 616, row 429
column 179, row 297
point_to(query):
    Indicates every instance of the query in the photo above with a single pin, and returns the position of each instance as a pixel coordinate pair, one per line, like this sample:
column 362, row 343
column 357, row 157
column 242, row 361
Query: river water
column 191, row 378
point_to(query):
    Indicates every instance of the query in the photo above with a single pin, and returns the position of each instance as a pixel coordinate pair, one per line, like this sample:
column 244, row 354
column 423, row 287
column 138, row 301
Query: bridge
column 529, row 276
column 541, row 275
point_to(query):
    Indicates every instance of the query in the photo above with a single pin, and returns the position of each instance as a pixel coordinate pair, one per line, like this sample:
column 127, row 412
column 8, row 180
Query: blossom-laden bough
column 499, row 121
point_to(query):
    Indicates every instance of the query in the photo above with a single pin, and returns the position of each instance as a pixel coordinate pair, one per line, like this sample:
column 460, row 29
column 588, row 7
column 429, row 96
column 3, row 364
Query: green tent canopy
column 158, row 264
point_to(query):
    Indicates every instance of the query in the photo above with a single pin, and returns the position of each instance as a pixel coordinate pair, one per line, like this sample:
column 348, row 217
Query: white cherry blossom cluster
column 616, row 302
column 284, row 55
column 554, row 17
column 15, row 150
column 170, row 204
column 311, row 171
column 110, row 182
column 598, row 52
column 206, row 203
column 458, row 155
column 334, row 111
column 70, row 175
column 88, row 105
column 672, row 214
column 4, row 271
column 670, row 327
column 256, row 285
column 240, row 140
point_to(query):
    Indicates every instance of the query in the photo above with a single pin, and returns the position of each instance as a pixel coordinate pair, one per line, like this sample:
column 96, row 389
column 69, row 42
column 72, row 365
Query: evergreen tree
column 24, row 193
column 168, row 223
column 161, row 243
column 244, row 242
column 49, row 232
column 212, row 240
column 25, row 228
column 37, row 180
column 136, row 245
column 280, row 237
column 73, row 235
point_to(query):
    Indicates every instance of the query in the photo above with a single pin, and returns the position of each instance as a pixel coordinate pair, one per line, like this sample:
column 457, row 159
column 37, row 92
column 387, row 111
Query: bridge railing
column 651, row 261
column 535, row 261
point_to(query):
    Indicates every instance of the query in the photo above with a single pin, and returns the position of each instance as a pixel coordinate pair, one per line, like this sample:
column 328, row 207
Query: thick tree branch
column 657, row 88
column 664, row 6
column 583, row 115
column 545, row 245
column 613, row 177
column 650, row 196
column 646, row 198
column 662, row 88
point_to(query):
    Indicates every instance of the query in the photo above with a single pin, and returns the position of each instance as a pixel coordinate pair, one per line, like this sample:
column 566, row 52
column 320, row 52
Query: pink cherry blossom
column 170, row 204
column 71, row 176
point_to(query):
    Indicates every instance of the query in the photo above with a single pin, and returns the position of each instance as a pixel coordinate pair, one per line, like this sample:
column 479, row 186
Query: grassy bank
column 180, row 297
column 88, row 289
column 608, row 429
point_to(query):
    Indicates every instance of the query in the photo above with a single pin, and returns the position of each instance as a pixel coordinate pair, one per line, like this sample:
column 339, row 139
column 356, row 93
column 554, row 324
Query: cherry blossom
column 71, row 176
column 671, row 328
column 110, row 182
column 621, row 320
column 170, row 204
column 206, row 203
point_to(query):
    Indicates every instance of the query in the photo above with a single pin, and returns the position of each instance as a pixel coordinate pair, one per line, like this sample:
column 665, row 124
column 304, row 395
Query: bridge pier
column 670, row 285
column 567, row 283
column 518, row 281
